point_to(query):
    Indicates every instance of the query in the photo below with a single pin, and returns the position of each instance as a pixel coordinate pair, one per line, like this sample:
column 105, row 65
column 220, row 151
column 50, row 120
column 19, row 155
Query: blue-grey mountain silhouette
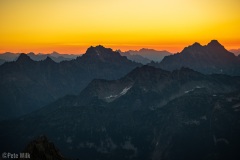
column 212, row 58
column 27, row 84
column 151, row 54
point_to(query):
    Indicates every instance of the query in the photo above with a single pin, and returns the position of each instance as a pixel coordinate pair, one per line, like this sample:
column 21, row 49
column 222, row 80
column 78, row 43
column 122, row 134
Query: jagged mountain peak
column 102, row 54
column 210, row 58
column 216, row 46
column 23, row 58
column 196, row 44
column 99, row 51
column 48, row 60
column 214, row 42
column 192, row 48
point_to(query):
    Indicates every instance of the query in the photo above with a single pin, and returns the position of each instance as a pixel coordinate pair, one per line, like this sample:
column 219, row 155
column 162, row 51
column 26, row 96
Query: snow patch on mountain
column 111, row 97
column 197, row 87
column 125, row 90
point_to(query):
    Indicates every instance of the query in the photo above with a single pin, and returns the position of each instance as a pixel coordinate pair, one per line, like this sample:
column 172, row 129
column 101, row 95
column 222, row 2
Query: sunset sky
column 71, row 26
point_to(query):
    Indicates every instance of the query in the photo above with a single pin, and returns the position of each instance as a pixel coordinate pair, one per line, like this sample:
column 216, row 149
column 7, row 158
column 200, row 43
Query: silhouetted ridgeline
column 27, row 85
column 102, row 106
column 212, row 58
column 149, row 54
column 56, row 57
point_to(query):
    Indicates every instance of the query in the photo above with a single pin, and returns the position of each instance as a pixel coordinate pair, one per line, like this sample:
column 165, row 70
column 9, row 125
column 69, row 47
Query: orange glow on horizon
column 81, row 49
column 74, row 25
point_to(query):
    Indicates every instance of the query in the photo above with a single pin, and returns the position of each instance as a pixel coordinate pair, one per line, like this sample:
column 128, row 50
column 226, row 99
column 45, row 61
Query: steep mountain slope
column 212, row 58
column 27, row 85
column 148, row 114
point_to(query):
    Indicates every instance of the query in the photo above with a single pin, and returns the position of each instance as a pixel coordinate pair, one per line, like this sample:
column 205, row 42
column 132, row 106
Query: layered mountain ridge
column 147, row 79
column 56, row 57
column 27, row 84
column 103, row 106
column 135, row 57
column 148, row 114
column 212, row 58
column 145, row 55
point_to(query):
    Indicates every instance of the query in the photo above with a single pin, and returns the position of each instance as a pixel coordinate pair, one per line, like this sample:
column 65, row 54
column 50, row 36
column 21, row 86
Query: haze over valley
column 120, row 80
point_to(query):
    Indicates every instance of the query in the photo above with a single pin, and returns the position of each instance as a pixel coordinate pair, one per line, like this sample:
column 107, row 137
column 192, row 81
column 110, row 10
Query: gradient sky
column 71, row 26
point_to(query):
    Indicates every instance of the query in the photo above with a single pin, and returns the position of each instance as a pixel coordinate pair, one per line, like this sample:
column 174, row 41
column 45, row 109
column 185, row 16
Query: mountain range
column 149, row 113
column 208, row 59
column 147, row 54
column 27, row 85
column 57, row 57
column 103, row 106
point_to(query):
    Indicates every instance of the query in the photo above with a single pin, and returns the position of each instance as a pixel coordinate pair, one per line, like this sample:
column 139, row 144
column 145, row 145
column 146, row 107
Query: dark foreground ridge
column 40, row 148
column 149, row 114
